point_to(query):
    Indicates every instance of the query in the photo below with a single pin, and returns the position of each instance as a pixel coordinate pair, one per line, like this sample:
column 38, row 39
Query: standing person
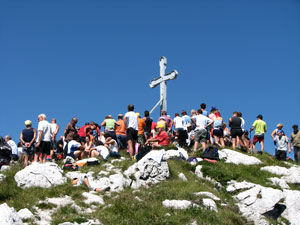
column 148, row 122
column 54, row 131
column 193, row 118
column 295, row 142
column 110, row 126
column 43, row 144
column 218, row 132
column 235, row 123
column 141, row 126
column 185, row 118
column 278, row 127
column 260, row 127
column 85, row 130
column 178, row 122
column 168, row 119
column 69, row 134
column 203, row 107
column 282, row 144
column 202, row 122
column 121, row 132
column 132, row 129
column 27, row 138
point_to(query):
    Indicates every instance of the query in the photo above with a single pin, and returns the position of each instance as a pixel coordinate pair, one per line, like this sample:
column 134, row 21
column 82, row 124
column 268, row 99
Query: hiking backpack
column 211, row 153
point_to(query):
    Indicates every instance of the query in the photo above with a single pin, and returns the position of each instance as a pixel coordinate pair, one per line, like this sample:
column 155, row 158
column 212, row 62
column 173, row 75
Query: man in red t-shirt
column 161, row 139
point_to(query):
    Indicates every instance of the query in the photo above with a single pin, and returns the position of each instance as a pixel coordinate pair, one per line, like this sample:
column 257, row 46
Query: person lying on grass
column 89, row 183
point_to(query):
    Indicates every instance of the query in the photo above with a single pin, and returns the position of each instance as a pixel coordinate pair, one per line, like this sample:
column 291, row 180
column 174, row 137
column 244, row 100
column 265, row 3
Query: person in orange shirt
column 141, row 126
column 121, row 132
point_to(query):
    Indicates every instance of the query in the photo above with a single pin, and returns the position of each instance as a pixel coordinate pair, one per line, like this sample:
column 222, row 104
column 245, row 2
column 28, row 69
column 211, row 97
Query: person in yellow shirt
column 260, row 127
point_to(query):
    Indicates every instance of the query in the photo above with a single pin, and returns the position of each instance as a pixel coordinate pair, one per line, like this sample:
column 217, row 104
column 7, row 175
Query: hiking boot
column 106, row 189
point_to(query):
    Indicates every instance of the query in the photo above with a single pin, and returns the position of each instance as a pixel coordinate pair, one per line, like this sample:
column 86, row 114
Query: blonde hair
column 279, row 125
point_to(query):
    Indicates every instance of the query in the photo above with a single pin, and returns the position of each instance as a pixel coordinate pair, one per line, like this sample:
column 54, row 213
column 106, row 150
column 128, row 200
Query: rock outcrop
column 9, row 216
column 237, row 158
column 40, row 175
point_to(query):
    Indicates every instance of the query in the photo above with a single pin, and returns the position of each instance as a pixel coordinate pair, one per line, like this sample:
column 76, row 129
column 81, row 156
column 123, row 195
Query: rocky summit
column 164, row 187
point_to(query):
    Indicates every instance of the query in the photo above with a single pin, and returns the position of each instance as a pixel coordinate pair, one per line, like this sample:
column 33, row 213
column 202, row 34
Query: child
column 282, row 144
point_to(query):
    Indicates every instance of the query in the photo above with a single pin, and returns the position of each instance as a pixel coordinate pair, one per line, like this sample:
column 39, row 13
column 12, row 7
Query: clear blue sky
column 92, row 58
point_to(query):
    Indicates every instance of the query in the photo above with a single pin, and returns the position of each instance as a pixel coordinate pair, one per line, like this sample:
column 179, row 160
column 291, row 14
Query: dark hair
column 163, row 113
column 239, row 114
column 295, row 126
column 176, row 114
column 199, row 111
column 130, row 107
column 260, row 116
column 203, row 106
column 146, row 113
column 76, row 137
column 87, row 123
column 183, row 112
column 106, row 135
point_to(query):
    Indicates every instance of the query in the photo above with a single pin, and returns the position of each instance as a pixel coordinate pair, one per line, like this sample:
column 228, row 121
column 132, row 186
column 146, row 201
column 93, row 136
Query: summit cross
column 162, row 82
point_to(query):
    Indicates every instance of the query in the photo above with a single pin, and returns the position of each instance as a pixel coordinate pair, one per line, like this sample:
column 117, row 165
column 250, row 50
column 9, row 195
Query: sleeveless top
column 218, row 124
column 236, row 123
column 28, row 134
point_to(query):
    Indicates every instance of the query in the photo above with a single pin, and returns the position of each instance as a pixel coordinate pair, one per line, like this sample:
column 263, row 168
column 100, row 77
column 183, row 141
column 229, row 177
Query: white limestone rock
column 277, row 170
column 40, row 175
column 182, row 177
column 89, row 222
column 176, row 154
column 25, row 214
column 237, row 158
column 210, row 204
column 207, row 194
column 91, row 198
column 291, row 175
column 292, row 203
column 2, row 177
column 280, row 182
column 138, row 199
column 198, row 171
column 236, row 186
column 9, row 216
column 178, row 204
column 4, row 168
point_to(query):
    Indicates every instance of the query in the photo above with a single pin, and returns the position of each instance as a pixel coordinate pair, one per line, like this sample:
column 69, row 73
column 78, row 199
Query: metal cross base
column 162, row 82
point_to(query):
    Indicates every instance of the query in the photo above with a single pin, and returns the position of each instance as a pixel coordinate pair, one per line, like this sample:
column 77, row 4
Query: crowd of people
column 132, row 131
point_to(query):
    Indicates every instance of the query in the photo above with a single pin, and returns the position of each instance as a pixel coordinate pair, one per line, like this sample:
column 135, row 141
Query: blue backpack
column 211, row 153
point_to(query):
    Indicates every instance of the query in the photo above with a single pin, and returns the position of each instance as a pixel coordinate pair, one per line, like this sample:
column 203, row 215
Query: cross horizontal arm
column 155, row 82
column 170, row 76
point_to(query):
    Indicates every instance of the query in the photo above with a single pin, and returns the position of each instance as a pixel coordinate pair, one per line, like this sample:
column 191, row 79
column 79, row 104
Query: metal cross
column 162, row 82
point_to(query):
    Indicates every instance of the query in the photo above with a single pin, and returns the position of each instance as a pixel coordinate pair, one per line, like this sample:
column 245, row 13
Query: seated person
column 89, row 144
column 160, row 139
column 75, row 149
column 191, row 135
column 100, row 149
column 87, row 182
column 112, row 145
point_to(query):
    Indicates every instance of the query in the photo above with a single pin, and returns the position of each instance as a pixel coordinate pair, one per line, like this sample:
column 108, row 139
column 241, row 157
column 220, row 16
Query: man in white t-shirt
column 131, row 121
column 202, row 122
column 43, row 144
column 178, row 122
column 282, row 145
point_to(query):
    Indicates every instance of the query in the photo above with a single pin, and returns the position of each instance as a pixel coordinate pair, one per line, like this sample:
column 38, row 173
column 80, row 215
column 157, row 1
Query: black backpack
column 142, row 152
column 211, row 153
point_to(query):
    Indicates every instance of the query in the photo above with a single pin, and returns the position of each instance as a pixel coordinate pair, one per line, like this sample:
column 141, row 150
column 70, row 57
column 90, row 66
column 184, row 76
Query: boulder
column 4, row 168
column 178, row 204
column 25, row 214
column 9, row 216
column 291, row 175
column 237, row 158
column 209, row 204
column 40, row 175
column 91, row 198
column 176, row 154
column 236, row 186
column 292, row 203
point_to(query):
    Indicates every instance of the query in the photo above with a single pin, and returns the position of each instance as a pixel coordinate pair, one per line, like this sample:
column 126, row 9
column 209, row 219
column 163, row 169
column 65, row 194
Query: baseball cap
column 138, row 114
column 160, row 126
column 28, row 122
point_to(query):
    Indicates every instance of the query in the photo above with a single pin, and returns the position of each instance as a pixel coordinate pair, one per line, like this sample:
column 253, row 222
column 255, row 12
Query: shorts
column 44, row 147
column 131, row 134
column 258, row 139
column 200, row 136
column 218, row 132
column 236, row 133
column 29, row 151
